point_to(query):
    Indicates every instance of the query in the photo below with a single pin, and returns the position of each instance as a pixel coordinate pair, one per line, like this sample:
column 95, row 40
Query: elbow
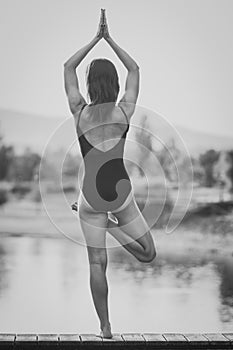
column 67, row 64
column 134, row 67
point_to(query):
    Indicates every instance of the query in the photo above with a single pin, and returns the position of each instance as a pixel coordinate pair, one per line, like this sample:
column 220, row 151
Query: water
column 44, row 287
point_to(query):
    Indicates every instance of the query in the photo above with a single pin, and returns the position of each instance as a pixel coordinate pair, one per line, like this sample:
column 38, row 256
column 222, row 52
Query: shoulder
column 128, row 108
column 78, row 111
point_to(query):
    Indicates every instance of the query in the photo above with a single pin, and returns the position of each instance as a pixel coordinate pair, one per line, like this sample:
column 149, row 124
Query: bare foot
column 112, row 218
column 74, row 206
column 106, row 332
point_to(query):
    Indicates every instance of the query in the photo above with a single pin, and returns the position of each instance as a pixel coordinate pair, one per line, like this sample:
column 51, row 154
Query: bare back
column 103, row 125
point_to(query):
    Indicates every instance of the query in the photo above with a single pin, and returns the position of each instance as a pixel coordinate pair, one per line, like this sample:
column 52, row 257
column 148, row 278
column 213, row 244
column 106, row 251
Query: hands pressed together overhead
column 75, row 98
column 103, row 26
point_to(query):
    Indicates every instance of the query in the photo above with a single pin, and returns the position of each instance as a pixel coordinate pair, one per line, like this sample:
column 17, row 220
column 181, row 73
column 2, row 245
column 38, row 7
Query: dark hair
column 102, row 81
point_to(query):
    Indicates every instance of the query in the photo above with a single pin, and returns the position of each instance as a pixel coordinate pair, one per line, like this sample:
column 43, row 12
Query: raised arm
column 133, row 77
column 75, row 97
column 132, row 80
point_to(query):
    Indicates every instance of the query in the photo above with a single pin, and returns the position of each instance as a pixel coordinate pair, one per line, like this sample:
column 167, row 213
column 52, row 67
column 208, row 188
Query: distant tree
column 207, row 161
column 3, row 196
column 71, row 165
column 6, row 158
column 48, row 170
column 23, row 166
column 145, row 139
column 165, row 161
column 230, row 170
column 198, row 171
column 169, row 157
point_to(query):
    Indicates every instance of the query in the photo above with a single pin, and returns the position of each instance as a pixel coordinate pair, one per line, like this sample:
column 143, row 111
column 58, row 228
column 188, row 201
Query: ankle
column 106, row 325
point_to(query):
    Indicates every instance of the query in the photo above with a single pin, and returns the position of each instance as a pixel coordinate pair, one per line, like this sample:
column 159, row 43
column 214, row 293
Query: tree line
column 24, row 167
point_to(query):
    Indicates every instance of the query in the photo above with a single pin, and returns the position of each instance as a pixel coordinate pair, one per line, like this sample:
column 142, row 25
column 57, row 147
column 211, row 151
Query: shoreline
column 180, row 241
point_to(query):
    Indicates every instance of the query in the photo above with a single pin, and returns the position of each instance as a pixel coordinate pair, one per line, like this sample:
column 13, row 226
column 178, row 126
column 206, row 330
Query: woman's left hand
column 100, row 31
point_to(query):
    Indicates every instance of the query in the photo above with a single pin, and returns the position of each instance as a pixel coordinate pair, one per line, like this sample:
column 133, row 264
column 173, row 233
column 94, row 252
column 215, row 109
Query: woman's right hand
column 105, row 26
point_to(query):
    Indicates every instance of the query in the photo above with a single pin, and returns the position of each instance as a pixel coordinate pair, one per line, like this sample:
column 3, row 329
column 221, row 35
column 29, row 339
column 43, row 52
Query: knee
column 97, row 267
column 98, row 259
column 149, row 256
column 152, row 255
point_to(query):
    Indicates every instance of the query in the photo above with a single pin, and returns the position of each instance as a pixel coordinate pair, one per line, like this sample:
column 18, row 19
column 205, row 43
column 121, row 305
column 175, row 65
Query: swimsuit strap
column 79, row 115
column 85, row 104
column 124, row 114
column 125, row 132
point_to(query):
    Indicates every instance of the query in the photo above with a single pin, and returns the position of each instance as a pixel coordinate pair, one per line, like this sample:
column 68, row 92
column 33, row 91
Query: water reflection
column 3, row 270
column 44, row 287
column 224, row 269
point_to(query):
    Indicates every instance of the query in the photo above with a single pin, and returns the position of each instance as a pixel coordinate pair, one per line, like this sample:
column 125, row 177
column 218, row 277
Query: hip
column 96, row 206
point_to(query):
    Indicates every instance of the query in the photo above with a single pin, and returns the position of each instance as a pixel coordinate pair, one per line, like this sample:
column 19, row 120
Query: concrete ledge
column 125, row 340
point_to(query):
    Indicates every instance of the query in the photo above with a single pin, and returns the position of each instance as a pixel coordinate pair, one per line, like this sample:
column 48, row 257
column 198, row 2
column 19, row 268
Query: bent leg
column 134, row 235
column 94, row 229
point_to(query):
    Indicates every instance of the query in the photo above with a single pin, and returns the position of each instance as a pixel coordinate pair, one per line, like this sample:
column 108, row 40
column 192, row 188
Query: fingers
column 102, row 16
column 103, row 24
column 102, row 20
column 99, row 33
column 101, row 28
column 102, row 13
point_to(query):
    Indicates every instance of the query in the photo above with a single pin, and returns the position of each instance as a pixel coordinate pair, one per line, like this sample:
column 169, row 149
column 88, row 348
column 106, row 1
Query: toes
column 74, row 206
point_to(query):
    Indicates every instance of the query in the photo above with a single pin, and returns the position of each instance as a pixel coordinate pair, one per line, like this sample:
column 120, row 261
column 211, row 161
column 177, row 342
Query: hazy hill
column 22, row 129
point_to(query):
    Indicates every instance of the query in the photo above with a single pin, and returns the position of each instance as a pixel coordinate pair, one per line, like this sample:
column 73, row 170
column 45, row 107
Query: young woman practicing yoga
column 106, row 202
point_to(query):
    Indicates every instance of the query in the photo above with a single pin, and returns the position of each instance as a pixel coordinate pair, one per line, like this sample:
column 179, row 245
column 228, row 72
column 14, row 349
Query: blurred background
column 183, row 121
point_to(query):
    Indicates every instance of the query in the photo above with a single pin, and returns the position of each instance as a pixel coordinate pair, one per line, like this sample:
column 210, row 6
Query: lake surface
column 44, row 287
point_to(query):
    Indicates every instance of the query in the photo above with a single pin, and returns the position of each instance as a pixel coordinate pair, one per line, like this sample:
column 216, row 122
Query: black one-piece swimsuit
column 106, row 183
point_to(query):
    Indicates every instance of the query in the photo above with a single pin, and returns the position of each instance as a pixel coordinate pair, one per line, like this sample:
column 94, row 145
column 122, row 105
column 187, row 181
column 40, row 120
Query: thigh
column 133, row 223
column 93, row 224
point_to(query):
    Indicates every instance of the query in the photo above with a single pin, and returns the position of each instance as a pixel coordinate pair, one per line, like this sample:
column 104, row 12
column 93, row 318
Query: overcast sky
column 184, row 49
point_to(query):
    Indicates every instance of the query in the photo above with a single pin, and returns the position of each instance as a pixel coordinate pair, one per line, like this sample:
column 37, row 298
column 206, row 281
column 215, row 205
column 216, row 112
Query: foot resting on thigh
column 74, row 206
column 112, row 218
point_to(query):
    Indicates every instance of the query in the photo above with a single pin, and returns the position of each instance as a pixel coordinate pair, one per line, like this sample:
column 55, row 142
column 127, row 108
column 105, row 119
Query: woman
column 106, row 190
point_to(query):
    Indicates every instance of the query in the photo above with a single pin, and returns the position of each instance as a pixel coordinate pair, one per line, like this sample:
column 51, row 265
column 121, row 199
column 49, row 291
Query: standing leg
column 94, row 229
